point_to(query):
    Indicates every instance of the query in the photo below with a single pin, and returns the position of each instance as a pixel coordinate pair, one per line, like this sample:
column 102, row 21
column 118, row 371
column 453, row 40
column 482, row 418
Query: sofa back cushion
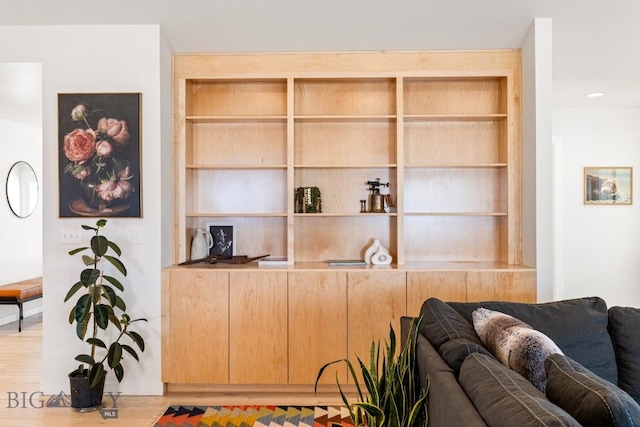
column 587, row 397
column 441, row 323
column 577, row 326
column 624, row 327
column 504, row 398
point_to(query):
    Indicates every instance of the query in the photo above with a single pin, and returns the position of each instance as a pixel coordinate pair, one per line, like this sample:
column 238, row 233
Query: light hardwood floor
column 21, row 373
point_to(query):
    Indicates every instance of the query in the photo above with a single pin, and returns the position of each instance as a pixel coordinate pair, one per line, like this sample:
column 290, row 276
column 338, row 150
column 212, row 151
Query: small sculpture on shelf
column 376, row 254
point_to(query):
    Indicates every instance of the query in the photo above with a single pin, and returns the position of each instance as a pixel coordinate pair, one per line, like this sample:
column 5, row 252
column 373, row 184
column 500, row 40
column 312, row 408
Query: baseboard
column 139, row 388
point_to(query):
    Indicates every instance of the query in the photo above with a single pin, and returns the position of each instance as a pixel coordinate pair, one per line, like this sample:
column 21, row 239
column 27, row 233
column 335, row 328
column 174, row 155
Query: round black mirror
column 22, row 189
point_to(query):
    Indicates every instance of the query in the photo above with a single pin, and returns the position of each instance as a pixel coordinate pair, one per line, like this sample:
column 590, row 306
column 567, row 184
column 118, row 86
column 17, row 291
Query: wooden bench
column 19, row 293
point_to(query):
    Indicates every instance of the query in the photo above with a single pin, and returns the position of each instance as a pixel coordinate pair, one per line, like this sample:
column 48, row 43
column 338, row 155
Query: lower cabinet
column 195, row 327
column 375, row 301
column 277, row 327
column 258, row 327
column 317, row 325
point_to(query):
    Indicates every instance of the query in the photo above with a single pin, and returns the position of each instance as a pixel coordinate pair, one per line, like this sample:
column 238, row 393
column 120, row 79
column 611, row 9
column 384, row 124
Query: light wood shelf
column 442, row 128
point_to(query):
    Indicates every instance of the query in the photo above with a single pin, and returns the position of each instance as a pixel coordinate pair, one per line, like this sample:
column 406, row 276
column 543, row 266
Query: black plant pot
column 83, row 397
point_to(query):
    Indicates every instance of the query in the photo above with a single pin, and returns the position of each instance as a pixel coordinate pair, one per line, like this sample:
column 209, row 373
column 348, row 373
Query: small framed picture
column 608, row 185
column 224, row 240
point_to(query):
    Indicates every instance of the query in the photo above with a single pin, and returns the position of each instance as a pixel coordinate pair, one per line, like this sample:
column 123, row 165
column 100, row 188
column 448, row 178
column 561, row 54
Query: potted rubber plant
column 100, row 319
column 393, row 395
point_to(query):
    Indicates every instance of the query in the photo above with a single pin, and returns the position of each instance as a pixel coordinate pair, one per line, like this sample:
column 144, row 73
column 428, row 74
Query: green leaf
column 88, row 227
column 89, row 276
column 102, row 312
column 119, row 371
column 117, row 264
column 115, row 354
column 97, row 342
column 131, row 351
column 101, row 222
column 97, row 372
column 94, row 291
column 99, row 245
column 82, row 325
column 85, row 358
column 75, row 251
column 115, row 248
column 72, row 315
column 137, row 339
column 114, row 320
column 115, row 282
column 87, row 260
column 120, row 303
column 109, row 294
column 73, row 290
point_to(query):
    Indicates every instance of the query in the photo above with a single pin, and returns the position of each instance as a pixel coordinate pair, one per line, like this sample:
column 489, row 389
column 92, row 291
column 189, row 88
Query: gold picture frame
column 608, row 185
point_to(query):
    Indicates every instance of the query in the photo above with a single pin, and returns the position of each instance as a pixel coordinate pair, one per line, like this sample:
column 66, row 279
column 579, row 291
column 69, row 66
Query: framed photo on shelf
column 224, row 240
column 608, row 185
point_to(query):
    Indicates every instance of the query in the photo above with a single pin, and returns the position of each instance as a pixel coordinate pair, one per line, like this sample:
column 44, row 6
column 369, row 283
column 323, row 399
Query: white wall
column 20, row 140
column 601, row 252
column 536, row 154
column 101, row 59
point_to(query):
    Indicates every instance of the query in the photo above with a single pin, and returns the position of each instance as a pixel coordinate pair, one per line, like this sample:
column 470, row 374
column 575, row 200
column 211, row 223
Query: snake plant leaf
column 117, row 264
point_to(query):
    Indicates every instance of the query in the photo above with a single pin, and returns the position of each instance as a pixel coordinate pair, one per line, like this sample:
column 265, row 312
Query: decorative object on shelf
column 381, row 257
column 201, row 243
column 608, row 185
column 363, row 206
column 99, row 160
column 236, row 259
column 372, row 249
column 308, row 200
column 224, row 240
column 95, row 310
column 394, row 396
column 346, row 262
column 376, row 199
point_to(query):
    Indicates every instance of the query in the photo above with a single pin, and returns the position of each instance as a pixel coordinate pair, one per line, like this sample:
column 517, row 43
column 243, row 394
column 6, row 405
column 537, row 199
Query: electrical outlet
column 70, row 236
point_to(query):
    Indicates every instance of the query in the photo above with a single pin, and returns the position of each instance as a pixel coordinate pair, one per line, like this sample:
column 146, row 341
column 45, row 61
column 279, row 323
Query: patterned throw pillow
column 516, row 344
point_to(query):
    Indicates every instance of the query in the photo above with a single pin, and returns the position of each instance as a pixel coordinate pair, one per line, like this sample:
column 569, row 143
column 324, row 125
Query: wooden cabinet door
column 258, row 327
column 444, row 285
column 317, row 325
column 376, row 300
column 517, row 286
column 195, row 322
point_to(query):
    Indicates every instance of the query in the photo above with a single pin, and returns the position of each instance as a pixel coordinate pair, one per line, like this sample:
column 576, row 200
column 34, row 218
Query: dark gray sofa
column 596, row 381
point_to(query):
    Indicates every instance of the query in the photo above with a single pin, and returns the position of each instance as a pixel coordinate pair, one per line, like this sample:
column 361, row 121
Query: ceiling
column 595, row 43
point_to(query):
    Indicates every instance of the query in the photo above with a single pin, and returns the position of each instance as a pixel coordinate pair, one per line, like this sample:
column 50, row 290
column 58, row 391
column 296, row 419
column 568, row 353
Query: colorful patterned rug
column 254, row 416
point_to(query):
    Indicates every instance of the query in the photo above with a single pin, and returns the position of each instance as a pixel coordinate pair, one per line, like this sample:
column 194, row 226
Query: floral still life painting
column 99, row 154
